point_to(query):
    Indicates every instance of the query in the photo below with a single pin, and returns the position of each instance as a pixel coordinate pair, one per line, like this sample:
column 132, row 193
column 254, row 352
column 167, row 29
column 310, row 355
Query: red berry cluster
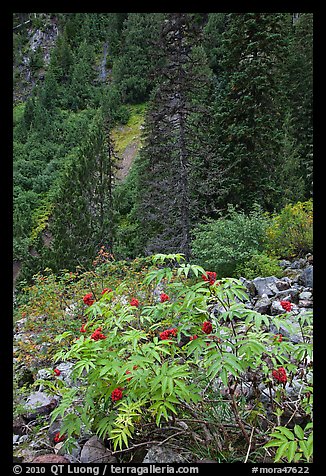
column 116, row 394
column 207, row 327
column 88, row 299
column 57, row 438
column 286, row 305
column 168, row 333
column 134, row 302
column 164, row 297
column 211, row 277
column 97, row 334
column 280, row 374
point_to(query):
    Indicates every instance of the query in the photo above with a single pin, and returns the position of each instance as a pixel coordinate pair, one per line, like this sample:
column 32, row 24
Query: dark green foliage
column 129, row 234
column 82, row 76
column 230, row 121
column 133, row 70
column 300, row 93
column 82, row 217
column 62, row 58
column 250, row 107
column 225, row 244
column 212, row 39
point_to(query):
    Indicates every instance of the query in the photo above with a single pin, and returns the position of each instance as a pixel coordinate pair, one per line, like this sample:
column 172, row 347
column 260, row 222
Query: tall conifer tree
column 167, row 159
column 251, row 107
column 82, row 218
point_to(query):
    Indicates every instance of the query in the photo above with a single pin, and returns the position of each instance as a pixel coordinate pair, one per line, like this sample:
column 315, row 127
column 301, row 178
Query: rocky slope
column 35, row 439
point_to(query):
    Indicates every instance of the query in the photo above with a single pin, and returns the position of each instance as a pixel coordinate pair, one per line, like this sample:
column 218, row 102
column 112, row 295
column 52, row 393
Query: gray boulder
column 305, row 295
column 263, row 305
column 298, row 264
column 37, row 399
column 283, row 284
column 306, row 277
column 164, row 455
column 266, row 286
column 94, row 451
column 291, row 295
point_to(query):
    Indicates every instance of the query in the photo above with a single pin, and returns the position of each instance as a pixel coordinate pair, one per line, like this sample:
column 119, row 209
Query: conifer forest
column 162, row 237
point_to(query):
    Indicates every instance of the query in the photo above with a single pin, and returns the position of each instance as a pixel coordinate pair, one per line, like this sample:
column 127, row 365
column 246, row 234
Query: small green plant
column 292, row 446
column 260, row 265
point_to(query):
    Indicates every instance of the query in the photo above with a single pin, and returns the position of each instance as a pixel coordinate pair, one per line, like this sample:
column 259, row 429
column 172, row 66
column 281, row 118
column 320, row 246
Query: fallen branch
column 21, row 24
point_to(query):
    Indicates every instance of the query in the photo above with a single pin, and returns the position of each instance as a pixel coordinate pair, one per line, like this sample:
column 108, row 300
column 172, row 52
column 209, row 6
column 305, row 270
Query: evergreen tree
column 251, row 107
column 167, row 199
column 212, row 39
column 62, row 58
column 82, row 76
column 300, row 94
column 82, row 218
column 138, row 56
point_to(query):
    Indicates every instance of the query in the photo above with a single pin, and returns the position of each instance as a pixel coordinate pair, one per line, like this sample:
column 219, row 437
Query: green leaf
column 299, row 432
column 292, row 449
column 273, row 443
column 279, row 436
column 280, row 452
column 288, row 433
